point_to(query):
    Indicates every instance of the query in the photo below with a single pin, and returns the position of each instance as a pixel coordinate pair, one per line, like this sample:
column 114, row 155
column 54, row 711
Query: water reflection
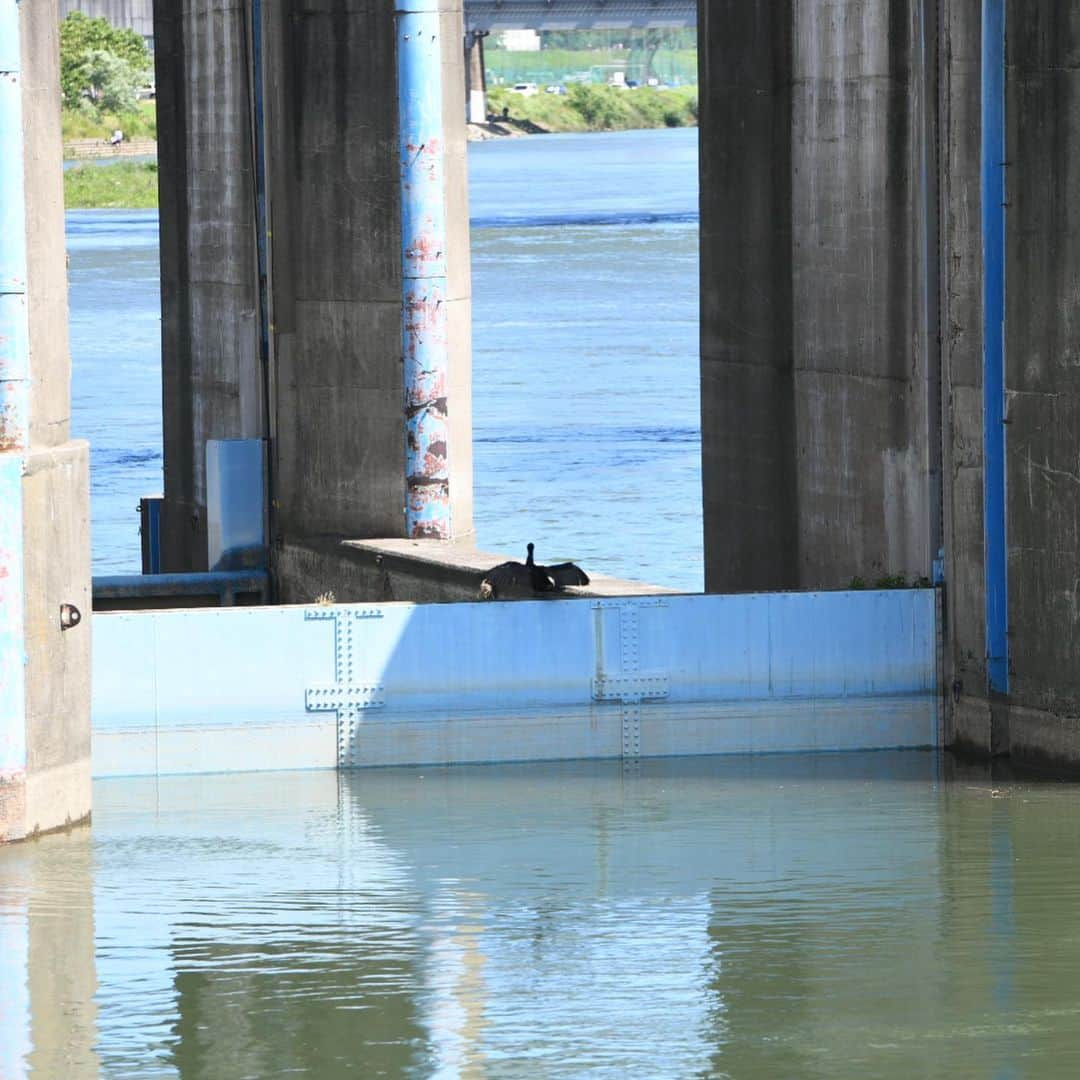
column 844, row 915
column 47, row 978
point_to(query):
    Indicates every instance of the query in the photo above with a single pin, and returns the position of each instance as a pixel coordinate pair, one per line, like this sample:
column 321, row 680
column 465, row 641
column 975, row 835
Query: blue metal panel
column 423, row 242
column 150, row 531
column 235, row 504
column 993, row 237
column 259, row 687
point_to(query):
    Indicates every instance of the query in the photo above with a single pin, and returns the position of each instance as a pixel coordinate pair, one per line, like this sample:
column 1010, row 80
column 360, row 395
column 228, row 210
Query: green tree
column 100, row 64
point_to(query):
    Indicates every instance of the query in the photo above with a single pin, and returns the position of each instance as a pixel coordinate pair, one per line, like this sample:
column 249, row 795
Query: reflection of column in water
column 47, row 976
column 14, row 952
column 307, row 967
column 457, row 1016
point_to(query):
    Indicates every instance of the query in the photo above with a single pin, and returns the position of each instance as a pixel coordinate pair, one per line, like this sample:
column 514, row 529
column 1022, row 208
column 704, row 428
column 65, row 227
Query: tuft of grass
column 123, row 186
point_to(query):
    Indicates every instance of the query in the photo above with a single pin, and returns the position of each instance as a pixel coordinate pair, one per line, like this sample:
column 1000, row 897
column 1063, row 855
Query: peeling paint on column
column 425, row 346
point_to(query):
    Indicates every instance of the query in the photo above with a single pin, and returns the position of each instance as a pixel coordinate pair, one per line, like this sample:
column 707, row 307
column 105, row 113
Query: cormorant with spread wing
column 529, row 578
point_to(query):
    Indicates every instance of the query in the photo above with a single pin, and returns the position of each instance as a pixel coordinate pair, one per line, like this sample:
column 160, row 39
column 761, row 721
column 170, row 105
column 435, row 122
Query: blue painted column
column 423, row 264
column 993, row 166
column 14, row 402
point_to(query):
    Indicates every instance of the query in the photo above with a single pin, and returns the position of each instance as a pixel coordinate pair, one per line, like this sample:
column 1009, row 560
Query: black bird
column 528, row 578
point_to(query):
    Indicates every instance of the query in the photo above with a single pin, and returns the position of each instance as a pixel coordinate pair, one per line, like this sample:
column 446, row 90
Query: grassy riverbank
column 133, row 185
column 589, row 107
column 123, row 186
column 90, row 124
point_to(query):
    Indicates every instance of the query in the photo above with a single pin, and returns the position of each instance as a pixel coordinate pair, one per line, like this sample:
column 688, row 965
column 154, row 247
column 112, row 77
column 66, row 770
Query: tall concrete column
column 45, row 535
column 336, row 286
column 475, row 77
column 816, row 463
column 747, row 376
column 326, row 390
column 213, row 378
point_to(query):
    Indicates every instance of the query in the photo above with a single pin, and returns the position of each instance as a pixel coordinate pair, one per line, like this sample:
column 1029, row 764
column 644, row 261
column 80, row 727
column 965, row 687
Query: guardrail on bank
column 209, row 690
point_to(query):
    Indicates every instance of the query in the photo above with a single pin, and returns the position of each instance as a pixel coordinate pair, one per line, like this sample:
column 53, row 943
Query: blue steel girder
column 578, row 14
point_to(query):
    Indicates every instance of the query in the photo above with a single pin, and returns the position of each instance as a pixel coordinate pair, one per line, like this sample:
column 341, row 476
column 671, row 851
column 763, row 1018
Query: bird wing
column 566, row 573
column 507, row 573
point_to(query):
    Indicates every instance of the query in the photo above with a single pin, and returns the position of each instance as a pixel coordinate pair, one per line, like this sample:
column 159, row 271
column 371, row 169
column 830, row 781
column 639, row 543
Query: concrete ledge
column 419, row 571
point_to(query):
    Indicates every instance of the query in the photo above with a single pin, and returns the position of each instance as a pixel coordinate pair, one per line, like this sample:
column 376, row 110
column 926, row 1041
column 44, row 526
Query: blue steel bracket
column 631, row 686
column 346, row 698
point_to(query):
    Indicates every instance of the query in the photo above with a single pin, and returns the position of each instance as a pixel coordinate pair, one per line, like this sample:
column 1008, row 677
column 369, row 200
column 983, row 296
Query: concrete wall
column 53, row 789
column 814, row 381
column 331, row 399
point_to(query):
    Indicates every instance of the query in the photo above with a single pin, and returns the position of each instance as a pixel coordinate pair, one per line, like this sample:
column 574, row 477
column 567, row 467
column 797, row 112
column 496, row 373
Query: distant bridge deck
column 578, row 14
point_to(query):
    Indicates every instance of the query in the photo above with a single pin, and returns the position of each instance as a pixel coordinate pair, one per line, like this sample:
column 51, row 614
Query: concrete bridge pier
column 890, row 260
column 44, row 492
column 475, row 76
column 282, row 275
column 819, row 397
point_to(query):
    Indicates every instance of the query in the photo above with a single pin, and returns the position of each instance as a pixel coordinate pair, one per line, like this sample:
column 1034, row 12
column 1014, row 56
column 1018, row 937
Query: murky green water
column 833, row 916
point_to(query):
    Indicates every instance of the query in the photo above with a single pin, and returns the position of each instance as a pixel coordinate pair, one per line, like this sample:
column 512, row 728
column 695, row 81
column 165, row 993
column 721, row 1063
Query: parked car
column 526, row 89
column 555, row 88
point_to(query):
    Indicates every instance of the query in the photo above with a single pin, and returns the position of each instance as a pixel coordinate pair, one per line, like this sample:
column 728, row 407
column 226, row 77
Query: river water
column 823, row 916
column 585, row 370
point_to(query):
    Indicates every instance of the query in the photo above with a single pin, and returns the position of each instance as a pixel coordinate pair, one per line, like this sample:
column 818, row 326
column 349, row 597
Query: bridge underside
column 494, row 15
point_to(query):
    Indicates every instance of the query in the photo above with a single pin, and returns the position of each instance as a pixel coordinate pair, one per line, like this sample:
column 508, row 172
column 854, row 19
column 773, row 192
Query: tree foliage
column 100, row 66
